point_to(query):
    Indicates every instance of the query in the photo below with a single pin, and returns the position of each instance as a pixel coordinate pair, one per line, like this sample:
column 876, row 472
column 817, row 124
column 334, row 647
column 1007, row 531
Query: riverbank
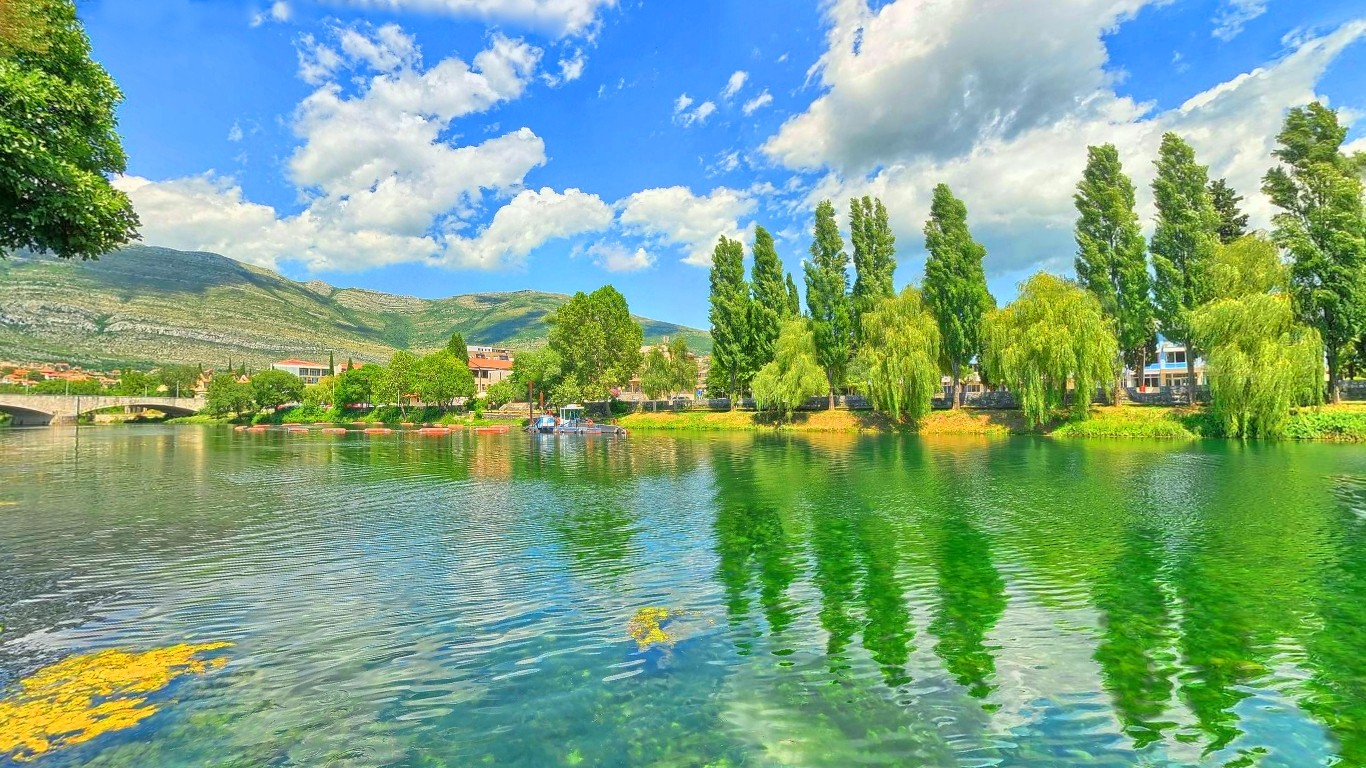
column 1340, row 423
column 388, row 415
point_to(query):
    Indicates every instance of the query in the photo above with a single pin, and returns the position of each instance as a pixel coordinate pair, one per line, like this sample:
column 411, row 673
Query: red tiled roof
column 490, row 364
column 301, row 363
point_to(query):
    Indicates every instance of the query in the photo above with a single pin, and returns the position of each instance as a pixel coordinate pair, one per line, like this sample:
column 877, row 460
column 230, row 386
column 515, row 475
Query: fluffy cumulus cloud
column 381, row 180
column 674, row 216
column 558, row 17
column 758, row 102
column 1001, row 106
column 278, row 11
column 615, row 257
column 734, row 84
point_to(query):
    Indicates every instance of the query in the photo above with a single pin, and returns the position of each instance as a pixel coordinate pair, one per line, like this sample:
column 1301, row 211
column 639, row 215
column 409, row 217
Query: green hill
column 147, row 305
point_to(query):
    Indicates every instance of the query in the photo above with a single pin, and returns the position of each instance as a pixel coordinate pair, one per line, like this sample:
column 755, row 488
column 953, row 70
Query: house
column 490, row 368
column 1169, row 369
column 307, row 370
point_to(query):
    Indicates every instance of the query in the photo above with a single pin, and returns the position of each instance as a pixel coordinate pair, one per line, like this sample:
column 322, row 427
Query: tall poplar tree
column 794, row 300
column 1183, row 243
column 874, row 255
column 1323, row 227
column 955, row 287
column 769, row 307
column 827, row 298
column 1232, row 220
column 1112, row 259
column 729, row 315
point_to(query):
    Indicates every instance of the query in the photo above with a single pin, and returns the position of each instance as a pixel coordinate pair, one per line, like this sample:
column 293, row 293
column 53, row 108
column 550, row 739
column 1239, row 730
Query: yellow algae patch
column 644, row 627
column 81, row 697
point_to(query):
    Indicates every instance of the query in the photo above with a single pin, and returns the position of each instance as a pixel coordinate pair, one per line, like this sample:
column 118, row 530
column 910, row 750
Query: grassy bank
column 1344, row 423
column 390, row 415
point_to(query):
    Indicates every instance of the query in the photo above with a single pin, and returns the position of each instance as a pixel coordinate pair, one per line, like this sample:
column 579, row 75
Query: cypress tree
column 1232, row 220
column 794, row 300
column 1112, row 260
column 456, row 346
column 874, row 256
column 1322, row 225
column 729, row 315
column 331, row 365
column 1183, row 243
column 827, row 298
column 770, row 300
column 955, row 285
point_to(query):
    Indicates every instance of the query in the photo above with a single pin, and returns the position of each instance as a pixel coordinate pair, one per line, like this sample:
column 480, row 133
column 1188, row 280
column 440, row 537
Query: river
column 825, row 599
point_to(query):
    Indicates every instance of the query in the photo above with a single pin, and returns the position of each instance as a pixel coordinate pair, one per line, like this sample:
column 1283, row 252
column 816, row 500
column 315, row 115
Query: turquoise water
column 465, row 600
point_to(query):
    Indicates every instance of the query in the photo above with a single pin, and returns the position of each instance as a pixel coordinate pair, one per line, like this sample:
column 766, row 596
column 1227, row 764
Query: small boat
column 572, row 421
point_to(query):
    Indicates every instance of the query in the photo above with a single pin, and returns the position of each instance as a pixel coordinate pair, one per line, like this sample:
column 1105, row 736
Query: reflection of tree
column 971, row 601
column 1134, row 652
column 750, row 538
column 1337, row 650
column 887, row 634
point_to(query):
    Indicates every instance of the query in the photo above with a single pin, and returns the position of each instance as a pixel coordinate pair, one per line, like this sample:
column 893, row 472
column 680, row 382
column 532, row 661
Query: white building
column 307, row 370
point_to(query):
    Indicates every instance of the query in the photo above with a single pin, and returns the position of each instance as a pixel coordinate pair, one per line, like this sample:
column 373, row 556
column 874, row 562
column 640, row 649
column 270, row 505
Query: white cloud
column 675, row 216
column 381, row 178
column 235, row 132
column 1233, row 15
column 279, row 11
column 1020, row 155
column 685, row 116
column 571, row 69
column 527, row 222
column 682, row 102
column 734, row 84
column 558, row 17
column 615, row 257
column 758, row 102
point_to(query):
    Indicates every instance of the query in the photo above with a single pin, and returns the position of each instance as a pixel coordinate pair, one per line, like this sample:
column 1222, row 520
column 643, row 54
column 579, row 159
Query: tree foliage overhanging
column 901, row 355
column 794, row 373
column 58, row 143
column 598, row 345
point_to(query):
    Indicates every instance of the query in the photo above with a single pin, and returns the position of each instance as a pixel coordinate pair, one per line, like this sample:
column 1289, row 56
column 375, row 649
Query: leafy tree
column 1323, row 227
column 1054, row 334
column 729, row 315
column 682, row 365
column 827, row 298
column 539, row 370
column 133, row 382
column 399, row 380
column 874, row 256
column 441, row 377
column 901, row 354
column 58, row 143
column 358, row 385
column 597, row 342
column 1112, row 261
column 179, row 379
column 1232, row 220
column 331, row 364
column 273, row 388
column 225, row 394
column 794, row 375
column 1183, row 242
column 769, row 306
column 657, row 377
column 321, row 394
column 501, row 393
column 794, row 301
column 955, row 287
column 1259, row 360
column 456, row 346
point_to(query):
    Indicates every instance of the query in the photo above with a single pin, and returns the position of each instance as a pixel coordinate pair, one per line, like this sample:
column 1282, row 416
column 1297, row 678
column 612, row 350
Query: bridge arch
column 26, row 417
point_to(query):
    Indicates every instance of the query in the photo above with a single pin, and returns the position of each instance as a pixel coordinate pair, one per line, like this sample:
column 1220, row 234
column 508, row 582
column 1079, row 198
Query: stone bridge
column 41, row 410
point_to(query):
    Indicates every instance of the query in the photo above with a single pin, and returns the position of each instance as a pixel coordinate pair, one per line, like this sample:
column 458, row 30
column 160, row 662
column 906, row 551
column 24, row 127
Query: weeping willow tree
column 1259, row 360
column 900, row 355
column 1054, row 334
column 793, row 375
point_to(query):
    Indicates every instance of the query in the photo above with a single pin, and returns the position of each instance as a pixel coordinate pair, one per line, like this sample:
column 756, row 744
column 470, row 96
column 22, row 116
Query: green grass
column 1344, row 424
column 1133, row 422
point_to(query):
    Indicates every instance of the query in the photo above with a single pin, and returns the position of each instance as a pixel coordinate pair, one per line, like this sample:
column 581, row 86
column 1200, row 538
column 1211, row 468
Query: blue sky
column 436, row 147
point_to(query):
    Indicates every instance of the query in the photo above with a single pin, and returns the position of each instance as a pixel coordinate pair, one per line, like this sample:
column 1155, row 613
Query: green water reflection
column 464, row 600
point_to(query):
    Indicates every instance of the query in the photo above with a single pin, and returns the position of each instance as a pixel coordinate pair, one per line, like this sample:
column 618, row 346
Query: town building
column 489, row 365
column 307, row 370
column 1169, row 369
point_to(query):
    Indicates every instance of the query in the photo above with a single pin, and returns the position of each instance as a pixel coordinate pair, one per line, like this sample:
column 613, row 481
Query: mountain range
column 144, row 305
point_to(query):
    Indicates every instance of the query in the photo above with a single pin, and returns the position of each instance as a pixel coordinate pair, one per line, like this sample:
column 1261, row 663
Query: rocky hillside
column 155, row 305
